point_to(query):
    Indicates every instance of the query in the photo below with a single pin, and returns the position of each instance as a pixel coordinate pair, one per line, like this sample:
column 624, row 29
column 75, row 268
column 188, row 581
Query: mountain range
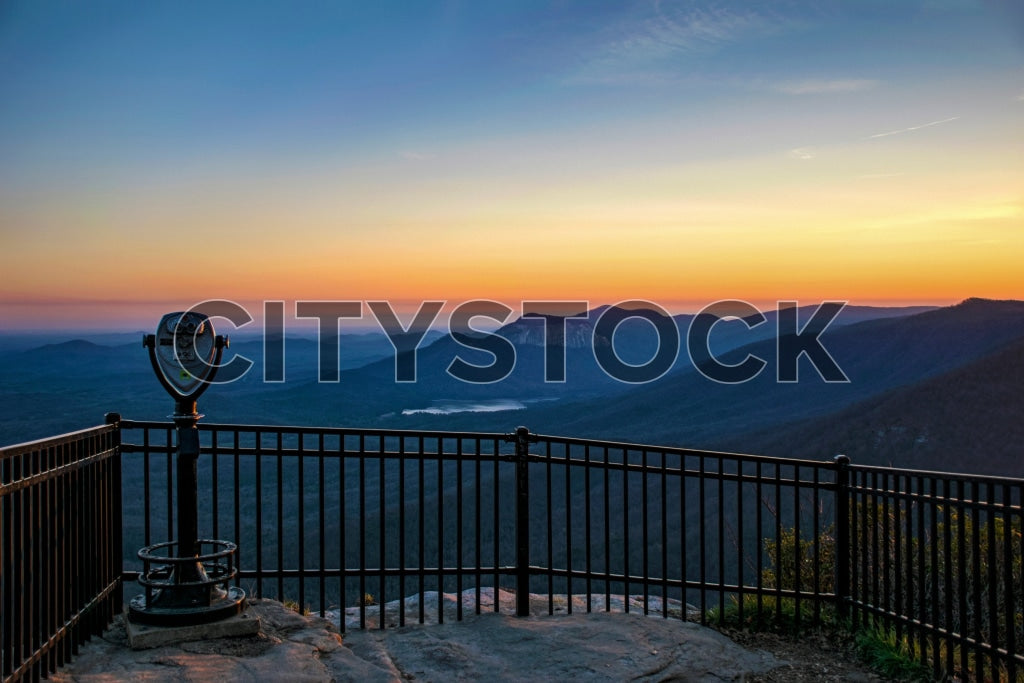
column 929, row 388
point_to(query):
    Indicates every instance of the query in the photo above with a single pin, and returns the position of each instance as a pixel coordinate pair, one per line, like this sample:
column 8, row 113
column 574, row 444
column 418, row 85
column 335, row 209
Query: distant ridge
column 72, row 346
column 63, row 386
column 965, row 420
column 877, row 355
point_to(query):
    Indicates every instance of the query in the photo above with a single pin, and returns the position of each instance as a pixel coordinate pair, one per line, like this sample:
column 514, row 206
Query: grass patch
column 890, row 655
column 876, row 647
column 776, row 615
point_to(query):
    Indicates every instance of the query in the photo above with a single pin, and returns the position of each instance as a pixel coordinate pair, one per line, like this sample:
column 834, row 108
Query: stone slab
column 144, row 636
column 296, row 648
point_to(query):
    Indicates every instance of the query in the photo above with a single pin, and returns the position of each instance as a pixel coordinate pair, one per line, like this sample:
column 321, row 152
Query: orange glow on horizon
column 759, row 229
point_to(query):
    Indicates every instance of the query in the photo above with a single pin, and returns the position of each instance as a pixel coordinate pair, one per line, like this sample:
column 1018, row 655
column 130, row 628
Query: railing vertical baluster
column 645, row 559
column 6, row 584
column 58, row 603
column 844, row 553
column 797, row 548
column 933, row 531
column 1018, row 589
column 49, row 543
column 321, row 520
column 440, row 530
column 362, row 531
column 422, row 529
column 68, row 515
column 146, row 485
column 342, row 524
column 701, row 512
column 79, row 526
column 961, row 563
column 101, row 547
column 401, row 530
column 458, row 528
column 497, row 517
column 79, row 530
column 740, row 555
column 976, row 577
column 477, row 528
column 300, row 504
column 890, row 564
column 71, row 520
column 1009, row 599
column 926, row 541
column 259, row 512
column 568, row 524
column 280, row 517
column 758, row 524
column 214, row 457
column 816, row 530
column 607, row 533
column 549, row 485
column 382, row 547
column 587, row 522
column 721, row 538
column 107, row 511
column 35, row 573
column 522, row 441
column 478, row 552
column 991, row 579
column 922, row 610
column 625, row 527
column 947, row 554
column 235, row 473
column 117, row 552
column 906, row 507
column 858, row 549
column 778, row 543
column 664, row 537
column 171, row 487
column 30, row 575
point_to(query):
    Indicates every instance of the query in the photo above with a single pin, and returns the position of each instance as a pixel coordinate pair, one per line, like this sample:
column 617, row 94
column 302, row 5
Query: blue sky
column 301, row 135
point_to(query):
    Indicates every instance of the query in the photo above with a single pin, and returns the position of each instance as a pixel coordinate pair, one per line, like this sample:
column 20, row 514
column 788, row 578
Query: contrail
column 907, row 130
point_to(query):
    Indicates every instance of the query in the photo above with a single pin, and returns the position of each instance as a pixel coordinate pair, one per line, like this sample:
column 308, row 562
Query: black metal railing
column 935, row 560
column 326, row 516
column 341, row 520
column 60, row 548
column 329, row 517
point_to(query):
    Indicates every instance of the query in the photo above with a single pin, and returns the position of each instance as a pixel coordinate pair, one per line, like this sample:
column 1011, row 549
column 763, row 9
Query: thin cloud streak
column 645, row 47
column 814, row 87
column 911, row 128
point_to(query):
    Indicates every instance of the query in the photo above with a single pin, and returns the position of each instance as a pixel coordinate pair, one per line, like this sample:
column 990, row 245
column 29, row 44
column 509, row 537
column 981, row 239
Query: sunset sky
column 156, row 154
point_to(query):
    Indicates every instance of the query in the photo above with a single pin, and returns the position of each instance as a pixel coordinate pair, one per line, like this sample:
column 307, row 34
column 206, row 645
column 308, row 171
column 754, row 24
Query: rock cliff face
column 596, row 646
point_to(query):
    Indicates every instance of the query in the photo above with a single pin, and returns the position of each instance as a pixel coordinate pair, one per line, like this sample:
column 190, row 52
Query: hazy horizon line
column 367, row 324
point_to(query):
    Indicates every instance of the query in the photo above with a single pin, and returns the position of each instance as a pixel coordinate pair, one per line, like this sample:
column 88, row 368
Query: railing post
column 522, row 441
column 842, row 588
column 117, row 515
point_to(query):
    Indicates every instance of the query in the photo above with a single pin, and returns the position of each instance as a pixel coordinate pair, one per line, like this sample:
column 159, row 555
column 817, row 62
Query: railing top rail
column 15, row 450
column 679, row 450
column 334, row 431
column 487, row 436
column 953, row 476
column 18, row 449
